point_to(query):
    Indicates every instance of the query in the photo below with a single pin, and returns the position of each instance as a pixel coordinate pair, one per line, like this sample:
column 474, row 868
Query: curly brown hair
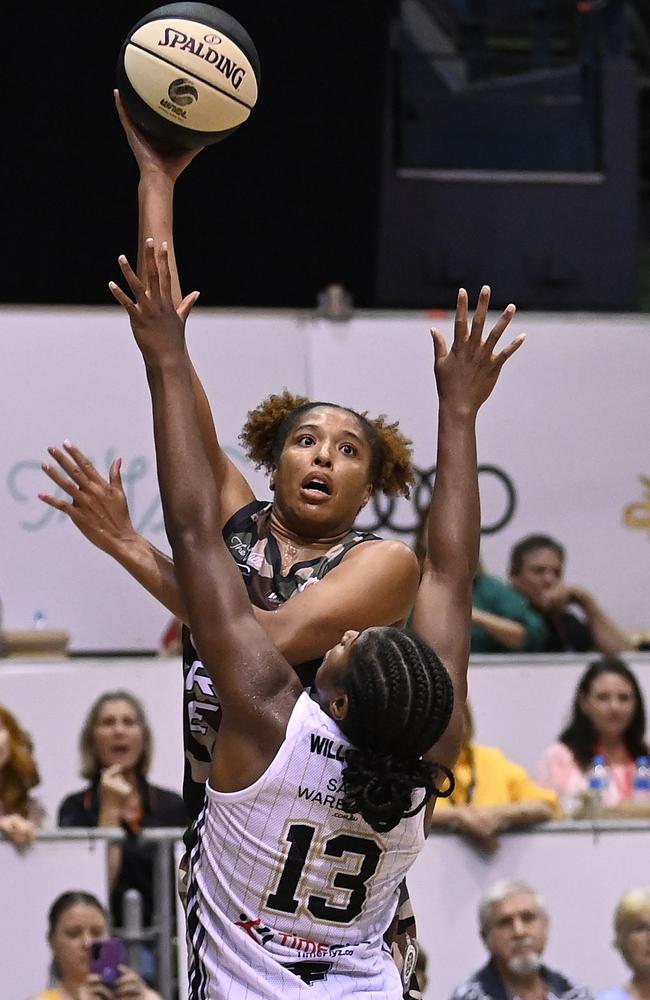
column 269, row 424
column 20, row 773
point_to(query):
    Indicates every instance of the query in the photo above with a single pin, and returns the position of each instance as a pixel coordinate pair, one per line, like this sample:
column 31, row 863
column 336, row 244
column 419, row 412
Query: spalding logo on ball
column 188, row 74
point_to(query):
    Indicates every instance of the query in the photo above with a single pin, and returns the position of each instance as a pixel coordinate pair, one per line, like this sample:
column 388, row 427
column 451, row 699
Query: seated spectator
column 115, row 745
column 75, row 921
column 502, row 619
column 632, row 938
column 20, row 813
column 514, row 928
column 491, row 794
column 536, row 571
column 608, row 718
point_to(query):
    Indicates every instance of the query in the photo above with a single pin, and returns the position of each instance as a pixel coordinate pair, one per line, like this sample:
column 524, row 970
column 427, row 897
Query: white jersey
column 289, row 895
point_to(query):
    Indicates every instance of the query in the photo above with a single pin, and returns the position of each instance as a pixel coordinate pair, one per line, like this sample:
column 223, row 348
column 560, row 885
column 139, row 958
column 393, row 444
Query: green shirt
column 493, row 595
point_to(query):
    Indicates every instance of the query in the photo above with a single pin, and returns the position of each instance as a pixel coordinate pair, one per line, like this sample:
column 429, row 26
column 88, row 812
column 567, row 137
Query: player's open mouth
column 317, row 486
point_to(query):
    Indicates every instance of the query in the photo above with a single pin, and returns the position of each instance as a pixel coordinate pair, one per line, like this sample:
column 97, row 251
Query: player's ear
column 339, row 707
column 274, row 470
column 370, row 489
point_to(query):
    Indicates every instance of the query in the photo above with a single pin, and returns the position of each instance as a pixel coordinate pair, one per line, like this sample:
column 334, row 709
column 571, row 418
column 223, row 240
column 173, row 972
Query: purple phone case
column 109, row 955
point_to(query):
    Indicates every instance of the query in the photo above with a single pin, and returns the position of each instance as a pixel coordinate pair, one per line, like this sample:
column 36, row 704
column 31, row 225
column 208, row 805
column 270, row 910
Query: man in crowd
column 537, row 571
column 514, row 927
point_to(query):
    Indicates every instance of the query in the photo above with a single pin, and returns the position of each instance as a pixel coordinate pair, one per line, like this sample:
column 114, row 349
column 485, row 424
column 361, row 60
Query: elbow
column 186, row 539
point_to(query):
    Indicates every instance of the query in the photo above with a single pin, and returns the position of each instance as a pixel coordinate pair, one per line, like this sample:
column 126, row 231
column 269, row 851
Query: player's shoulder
column 383, row 553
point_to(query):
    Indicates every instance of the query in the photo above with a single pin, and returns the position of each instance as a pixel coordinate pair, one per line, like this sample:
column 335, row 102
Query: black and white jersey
column 289, row 895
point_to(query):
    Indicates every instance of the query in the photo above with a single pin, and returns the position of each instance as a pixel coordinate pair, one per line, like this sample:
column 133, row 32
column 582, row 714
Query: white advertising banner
column 563, row 444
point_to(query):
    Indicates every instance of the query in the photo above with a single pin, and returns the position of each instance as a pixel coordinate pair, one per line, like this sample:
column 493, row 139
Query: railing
column 595, row 861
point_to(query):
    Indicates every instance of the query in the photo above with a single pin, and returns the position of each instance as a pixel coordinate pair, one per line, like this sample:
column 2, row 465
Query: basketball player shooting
column 318, row 802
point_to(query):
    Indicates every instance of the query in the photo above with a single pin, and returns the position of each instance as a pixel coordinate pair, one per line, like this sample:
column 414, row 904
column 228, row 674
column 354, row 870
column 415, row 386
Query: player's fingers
column 508, row 351
column 460, row 322
column 164, row 275
column 83, row 463
column 151, row 267
column 439, row 345
column 114, row 474
column 480, row 315
column 53, row 502
column 135, row 284
column 63, row 483
column 68, row 465
column 499, row 327
column 186, row 306
column 122, row 298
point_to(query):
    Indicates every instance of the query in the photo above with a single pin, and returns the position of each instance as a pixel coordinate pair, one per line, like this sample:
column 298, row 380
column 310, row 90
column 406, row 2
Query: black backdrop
column 278, row 211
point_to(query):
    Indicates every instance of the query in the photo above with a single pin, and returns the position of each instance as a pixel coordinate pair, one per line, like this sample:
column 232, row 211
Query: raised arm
column 158, row 175
column 465, row 377
column 256, row 687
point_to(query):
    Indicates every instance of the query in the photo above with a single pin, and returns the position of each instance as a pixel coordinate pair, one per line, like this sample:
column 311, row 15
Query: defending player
column 301, row 886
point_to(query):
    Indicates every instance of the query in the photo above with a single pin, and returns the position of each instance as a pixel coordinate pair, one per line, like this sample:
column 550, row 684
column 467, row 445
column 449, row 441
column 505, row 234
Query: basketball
column 188, row 74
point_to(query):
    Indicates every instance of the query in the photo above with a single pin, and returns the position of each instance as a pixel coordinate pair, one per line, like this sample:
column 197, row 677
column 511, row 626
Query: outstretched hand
column 149, row 157
column 98, row 507
column 158, row 327
column 467, row 373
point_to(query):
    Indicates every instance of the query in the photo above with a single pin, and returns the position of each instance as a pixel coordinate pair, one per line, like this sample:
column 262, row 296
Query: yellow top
column 490, row 779
column 50, row 995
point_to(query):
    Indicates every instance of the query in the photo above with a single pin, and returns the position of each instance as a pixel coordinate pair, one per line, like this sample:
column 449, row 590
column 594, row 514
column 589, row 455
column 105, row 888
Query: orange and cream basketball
column 188, row 74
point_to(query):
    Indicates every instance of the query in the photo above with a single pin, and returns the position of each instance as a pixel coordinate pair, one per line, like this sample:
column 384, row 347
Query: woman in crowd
column 492, row 794
column 20, row 813
column 608, row 718
column 116, row 745
column 75, row 921
column 632, row 938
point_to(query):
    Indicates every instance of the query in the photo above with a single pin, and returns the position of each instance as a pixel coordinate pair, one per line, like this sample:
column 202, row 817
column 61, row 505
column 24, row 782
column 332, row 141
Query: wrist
column 109, row 816
column 461, row 411
column 153, row 176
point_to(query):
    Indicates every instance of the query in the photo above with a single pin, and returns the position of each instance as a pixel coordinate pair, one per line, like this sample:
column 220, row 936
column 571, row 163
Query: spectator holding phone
column 76, row 922
column 116, row 746
column 20, row 813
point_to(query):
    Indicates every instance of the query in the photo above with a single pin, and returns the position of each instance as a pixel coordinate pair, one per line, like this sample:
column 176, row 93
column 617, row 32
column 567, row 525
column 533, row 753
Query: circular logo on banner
column 405, row 518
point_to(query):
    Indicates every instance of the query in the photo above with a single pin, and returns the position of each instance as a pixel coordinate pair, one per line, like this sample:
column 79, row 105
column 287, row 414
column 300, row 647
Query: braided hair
column 269, row 424
column 400, row 699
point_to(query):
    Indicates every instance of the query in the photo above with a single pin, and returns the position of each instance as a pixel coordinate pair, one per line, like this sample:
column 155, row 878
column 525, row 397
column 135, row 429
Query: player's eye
column 348, row 449
column 306, row 439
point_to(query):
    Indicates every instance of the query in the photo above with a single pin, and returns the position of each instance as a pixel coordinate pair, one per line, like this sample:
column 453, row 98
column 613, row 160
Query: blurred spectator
column 608, row 718
column 75, row 921
column 116, row 745
column 491, row 794
column 536, row 571
column 20, row 813
column 514, row 928
column 632, row 938
column 502, row 619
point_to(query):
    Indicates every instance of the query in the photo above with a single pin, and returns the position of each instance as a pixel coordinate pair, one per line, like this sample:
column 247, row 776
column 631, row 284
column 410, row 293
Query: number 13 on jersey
column 302, row 852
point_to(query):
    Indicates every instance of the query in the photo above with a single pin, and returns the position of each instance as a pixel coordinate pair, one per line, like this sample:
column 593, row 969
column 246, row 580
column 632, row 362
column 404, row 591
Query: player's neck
column 287, row 534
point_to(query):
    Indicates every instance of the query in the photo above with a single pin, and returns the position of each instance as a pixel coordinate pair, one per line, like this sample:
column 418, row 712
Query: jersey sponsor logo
column 325, row 747
column 255, row 929
column 263, row 935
